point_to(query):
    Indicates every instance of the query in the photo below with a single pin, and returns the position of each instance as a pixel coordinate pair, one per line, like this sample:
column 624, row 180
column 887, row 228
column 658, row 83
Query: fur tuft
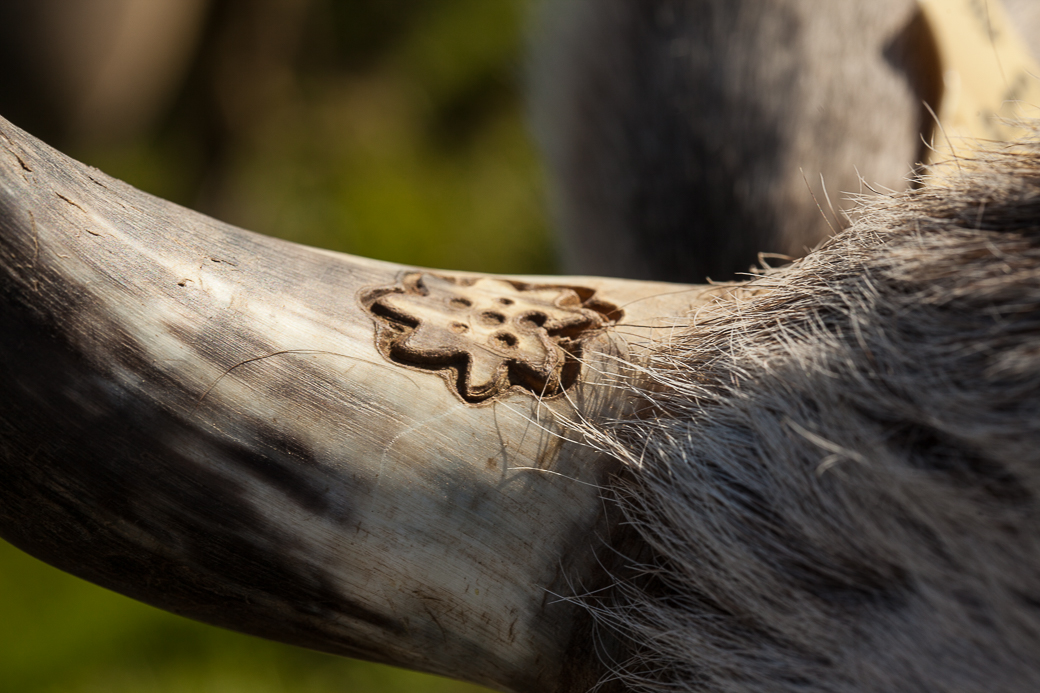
column 838, row 472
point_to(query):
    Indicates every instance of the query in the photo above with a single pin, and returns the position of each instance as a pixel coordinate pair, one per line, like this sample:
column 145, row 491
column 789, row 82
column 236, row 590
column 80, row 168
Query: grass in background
column 393, row 129
column 413, row 150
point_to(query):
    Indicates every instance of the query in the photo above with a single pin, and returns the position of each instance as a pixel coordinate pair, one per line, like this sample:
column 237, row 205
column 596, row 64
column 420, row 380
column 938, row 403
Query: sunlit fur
column 838, row 470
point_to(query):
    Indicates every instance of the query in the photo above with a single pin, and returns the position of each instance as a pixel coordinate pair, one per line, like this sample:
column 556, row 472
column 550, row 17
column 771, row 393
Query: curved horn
column 345, row 454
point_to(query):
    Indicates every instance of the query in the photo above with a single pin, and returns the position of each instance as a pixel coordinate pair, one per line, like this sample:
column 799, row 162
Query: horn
column 353, row 456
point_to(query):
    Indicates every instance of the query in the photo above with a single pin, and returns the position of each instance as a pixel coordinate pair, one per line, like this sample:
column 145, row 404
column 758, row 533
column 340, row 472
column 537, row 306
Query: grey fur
column 838, row 471
column 684, row 136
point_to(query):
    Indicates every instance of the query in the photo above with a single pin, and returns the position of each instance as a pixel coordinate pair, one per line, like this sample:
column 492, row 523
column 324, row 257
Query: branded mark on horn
column 487, row 335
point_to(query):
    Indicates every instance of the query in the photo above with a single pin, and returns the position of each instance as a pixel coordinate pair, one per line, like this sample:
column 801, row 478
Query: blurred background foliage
column 387, row 128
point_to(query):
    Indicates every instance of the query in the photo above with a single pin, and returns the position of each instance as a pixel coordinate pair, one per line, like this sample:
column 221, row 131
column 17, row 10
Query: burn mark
column 487, row 335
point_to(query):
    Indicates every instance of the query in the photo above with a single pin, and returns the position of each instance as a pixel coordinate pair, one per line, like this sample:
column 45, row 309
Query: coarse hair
column 836, row 473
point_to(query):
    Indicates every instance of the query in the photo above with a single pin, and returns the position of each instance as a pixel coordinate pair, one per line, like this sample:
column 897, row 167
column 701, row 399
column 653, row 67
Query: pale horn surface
column 350, row 455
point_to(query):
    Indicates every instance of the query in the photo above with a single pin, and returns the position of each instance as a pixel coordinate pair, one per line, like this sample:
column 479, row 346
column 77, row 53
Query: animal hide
column 837, row 470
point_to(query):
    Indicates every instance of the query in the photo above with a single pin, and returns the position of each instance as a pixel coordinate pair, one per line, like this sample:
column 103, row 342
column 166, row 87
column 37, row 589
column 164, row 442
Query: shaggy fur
column 838, row 472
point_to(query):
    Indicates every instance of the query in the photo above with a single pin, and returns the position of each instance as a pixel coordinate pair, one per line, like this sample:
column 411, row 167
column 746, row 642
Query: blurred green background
column 388, row 128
